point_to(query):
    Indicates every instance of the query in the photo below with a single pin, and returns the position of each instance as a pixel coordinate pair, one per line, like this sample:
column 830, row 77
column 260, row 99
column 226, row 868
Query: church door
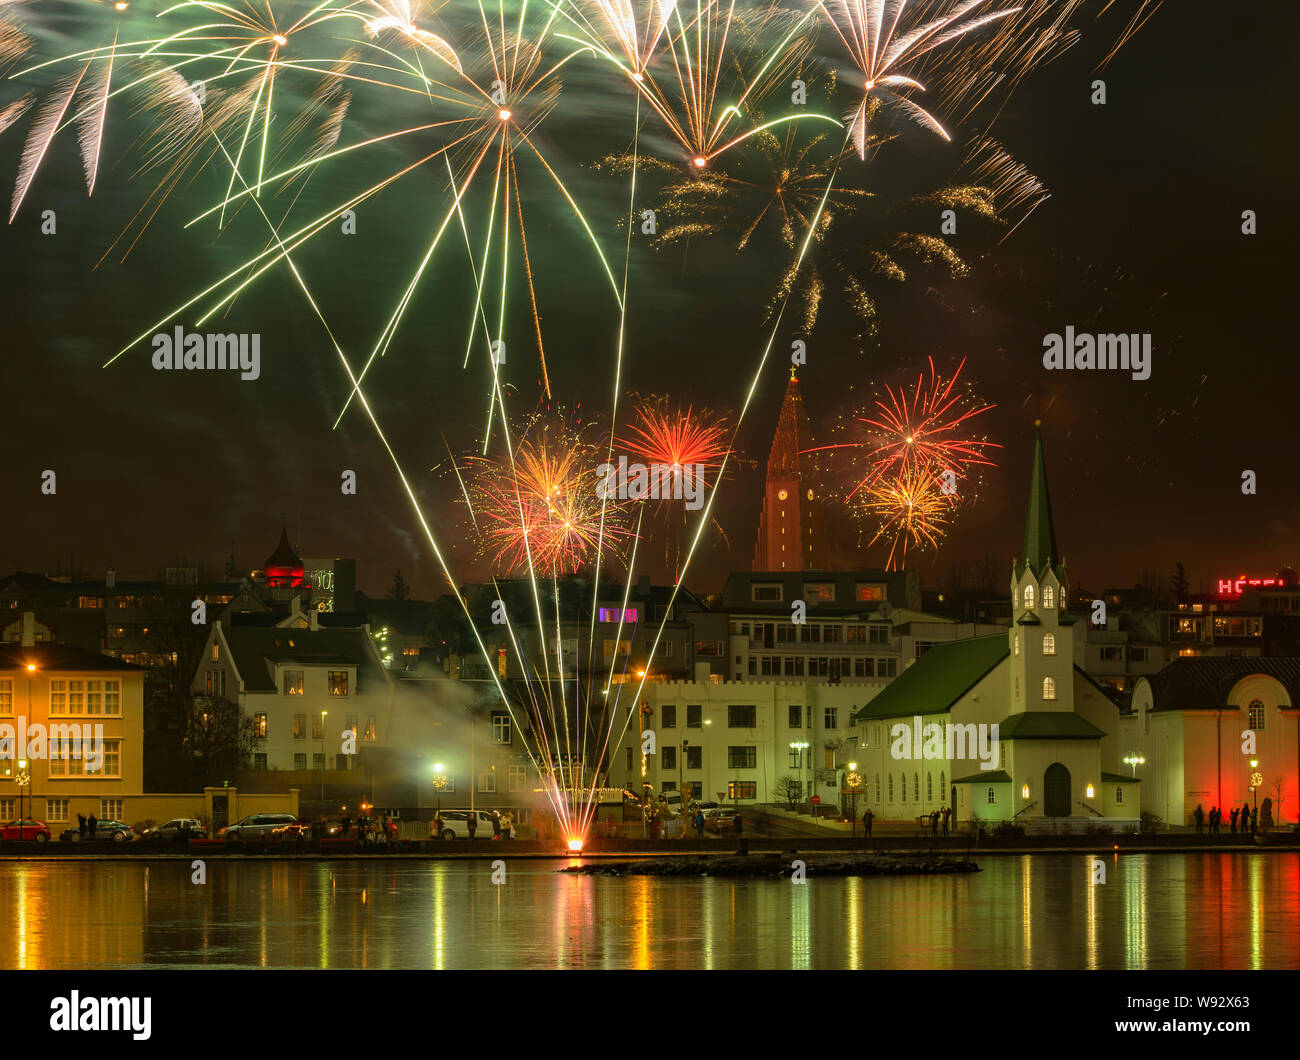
column 1056, row 791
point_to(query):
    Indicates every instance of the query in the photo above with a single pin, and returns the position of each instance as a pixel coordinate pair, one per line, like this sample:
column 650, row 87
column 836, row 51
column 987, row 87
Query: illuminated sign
column 1236, row 586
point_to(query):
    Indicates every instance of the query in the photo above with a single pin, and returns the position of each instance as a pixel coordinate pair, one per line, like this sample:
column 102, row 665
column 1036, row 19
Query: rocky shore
column 779, row 865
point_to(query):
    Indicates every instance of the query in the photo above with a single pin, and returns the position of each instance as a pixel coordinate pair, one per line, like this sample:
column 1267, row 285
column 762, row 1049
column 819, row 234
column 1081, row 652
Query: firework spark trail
column 707, row 511
column 286, row 253
column 881, row 40
column 910, row 507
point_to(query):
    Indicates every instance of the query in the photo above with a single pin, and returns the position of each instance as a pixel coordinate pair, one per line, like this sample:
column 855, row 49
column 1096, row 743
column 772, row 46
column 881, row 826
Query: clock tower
column 791, row 525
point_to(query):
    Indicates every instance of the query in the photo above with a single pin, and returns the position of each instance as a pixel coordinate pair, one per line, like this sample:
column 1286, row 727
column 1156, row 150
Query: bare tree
column 790, row 791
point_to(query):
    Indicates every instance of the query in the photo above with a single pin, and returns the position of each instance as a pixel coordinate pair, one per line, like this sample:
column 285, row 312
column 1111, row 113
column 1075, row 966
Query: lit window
column 338, row 682
column 1049, row 597
column 1256, row 715
column 293, row 682
column 1029, row 596
column 1049, row 642
column 259, row 726
column 1049, row 688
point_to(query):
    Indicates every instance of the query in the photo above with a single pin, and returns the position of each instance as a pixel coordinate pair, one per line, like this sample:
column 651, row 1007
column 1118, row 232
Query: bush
column 1006, row 828
column 1100, row 829
column 1150, row 823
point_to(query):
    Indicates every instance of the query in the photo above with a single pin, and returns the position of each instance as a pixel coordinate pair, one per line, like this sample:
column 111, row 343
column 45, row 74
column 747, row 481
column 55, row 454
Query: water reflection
column 1177, row 911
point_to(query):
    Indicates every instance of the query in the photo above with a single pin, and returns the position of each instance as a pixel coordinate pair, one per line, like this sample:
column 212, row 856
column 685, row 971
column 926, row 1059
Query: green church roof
column 1047, row 725
column 1039, row 553
column 938, row 678
column 1115, row 778
column 997, row 776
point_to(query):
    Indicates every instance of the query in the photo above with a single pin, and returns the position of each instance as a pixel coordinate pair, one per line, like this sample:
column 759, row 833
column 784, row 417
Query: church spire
column 1039, row 553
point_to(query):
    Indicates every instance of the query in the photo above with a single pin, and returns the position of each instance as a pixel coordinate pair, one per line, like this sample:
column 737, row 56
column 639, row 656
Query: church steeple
column 1039, row 553
column 791, row 525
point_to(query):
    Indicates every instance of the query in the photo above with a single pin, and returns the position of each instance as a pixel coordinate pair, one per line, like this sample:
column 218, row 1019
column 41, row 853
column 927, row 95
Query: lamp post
column 801, row 746
column 439, row 782
column 323, row 713
column 855, row 782
column 1256, row 779
column 23, row 779
column 1134, row 760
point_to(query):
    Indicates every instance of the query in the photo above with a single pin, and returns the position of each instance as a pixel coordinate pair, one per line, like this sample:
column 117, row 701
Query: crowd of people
column 1244, row 818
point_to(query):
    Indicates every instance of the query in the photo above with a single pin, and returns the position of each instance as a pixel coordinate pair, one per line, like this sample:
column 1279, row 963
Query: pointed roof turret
column 1039, row 553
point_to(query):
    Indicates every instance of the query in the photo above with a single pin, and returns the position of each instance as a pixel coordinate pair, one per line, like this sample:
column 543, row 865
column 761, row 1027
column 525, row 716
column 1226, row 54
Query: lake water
column 1213, row 910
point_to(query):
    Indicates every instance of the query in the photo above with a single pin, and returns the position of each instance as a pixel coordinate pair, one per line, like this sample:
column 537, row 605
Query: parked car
column 176, row 828
column 455, row 824
column 27, row 828
column 256, row 826
column 118, row 831
column 703, row 806
column 720, row 821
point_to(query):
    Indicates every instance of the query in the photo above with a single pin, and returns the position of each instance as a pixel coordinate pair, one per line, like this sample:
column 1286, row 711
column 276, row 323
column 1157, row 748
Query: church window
column 1015, row 642
column 1029, row 596
column 929, row 787
column 1119, row 795
column 1049, row 643
column 1049, row 598
column 992, row 797
column 916, row 787
column 878, row 788
column 1256, row 715
column 1049, row 688
column 891, row 787
column 942, row 786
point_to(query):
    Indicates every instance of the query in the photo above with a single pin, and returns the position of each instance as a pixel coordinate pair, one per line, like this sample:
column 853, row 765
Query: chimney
column 29, row 629
column 110, row 579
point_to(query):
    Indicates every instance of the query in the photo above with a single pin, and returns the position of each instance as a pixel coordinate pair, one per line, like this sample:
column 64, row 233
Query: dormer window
column 1049, row 598
column 1029, row 597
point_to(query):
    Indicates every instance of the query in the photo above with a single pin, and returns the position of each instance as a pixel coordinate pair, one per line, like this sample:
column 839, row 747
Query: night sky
column 1142, row 233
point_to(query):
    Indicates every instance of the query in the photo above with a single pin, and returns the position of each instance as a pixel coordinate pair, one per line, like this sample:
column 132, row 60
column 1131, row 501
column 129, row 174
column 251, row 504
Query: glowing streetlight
column 1134, row 760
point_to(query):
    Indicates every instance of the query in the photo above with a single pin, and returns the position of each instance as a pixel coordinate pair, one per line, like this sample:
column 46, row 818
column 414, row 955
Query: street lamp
column 855, row 782
column 439, row 782
column 1256, row 779
column 322, row 759
column 24, row 778
column 1134, row 760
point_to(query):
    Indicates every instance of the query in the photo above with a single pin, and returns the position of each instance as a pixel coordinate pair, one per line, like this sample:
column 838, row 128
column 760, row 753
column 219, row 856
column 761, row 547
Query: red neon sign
column 1236, row 586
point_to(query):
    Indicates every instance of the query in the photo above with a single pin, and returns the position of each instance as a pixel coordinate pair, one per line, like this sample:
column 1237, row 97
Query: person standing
column 471, row 822
column 740, row 824
column 1254, row 821
column 81, row 824
column 1233, row 821
column 508, row 825
column 699, row 823
column 1198, row 815
column 91, row 821
column 946, row 813
column 496, row 825
column 1214, row 820
column 867, row 818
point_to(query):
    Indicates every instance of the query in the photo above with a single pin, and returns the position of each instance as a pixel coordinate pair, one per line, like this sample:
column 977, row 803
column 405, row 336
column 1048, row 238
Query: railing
column 1025, row 810
column 1091, row 810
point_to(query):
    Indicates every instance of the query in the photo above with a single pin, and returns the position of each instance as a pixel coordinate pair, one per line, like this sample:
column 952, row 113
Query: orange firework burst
column 540, row 510
column 909, row 507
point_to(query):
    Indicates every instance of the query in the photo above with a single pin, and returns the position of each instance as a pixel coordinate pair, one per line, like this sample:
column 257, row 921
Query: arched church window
column 992, row 797
column 943, row 786
column 1049, row 597
column 1049, row 643
column 916, row 787
column 1029, row 596
column 1049, row 688
column 891, row 788
column 929, row 787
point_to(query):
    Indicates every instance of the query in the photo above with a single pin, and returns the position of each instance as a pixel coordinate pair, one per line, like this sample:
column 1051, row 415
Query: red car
column 28, row 828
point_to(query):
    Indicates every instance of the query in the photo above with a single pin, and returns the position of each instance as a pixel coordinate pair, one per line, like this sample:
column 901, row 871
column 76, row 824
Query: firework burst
column 886, row 37
column 538, row 509
column 908, row 509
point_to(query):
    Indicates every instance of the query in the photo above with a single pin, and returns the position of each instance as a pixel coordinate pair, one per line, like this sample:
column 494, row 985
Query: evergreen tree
column 1178, row 584
column 399, row 590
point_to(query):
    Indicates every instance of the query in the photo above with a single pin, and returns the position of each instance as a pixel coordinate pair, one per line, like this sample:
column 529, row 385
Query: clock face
column 781, row 495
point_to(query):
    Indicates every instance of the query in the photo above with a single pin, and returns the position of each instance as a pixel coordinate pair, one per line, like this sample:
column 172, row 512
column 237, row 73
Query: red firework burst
column 677, row 439
column 925, row 434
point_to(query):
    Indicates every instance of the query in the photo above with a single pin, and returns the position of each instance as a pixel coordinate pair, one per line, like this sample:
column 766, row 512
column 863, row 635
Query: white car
column 257, row 826
column 455, row 825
